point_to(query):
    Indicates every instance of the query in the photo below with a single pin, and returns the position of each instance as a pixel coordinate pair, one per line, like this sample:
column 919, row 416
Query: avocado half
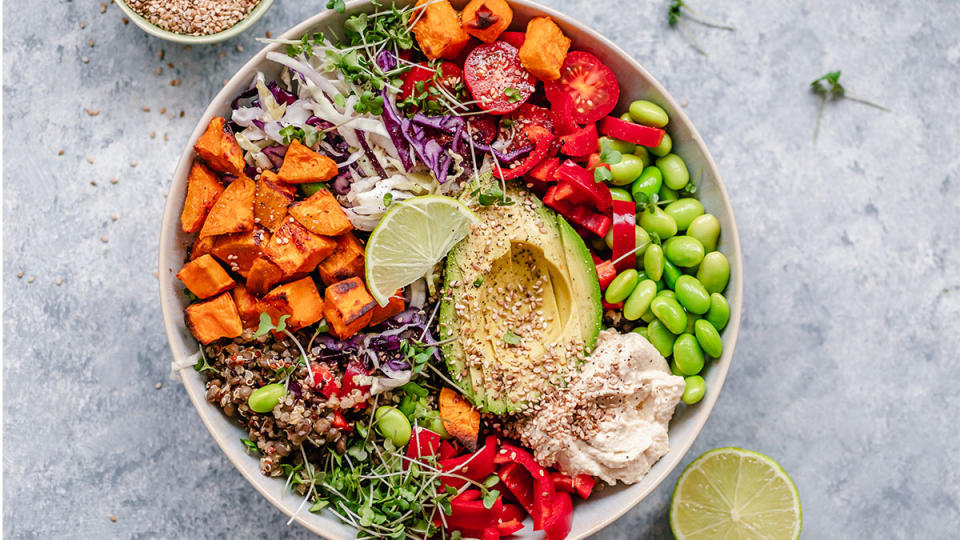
column 522, row 305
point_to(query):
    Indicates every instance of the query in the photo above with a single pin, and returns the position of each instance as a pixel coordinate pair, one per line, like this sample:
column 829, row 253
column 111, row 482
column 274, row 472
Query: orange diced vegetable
column 263, row 275
column 296, row 250
column 201, row 247
column 233, row 211
column 248, row 305
column 205, row 277
column 203, row 189
column 459, row 418
column 438, row 29
column 395, row 306
column 348, row 307
column 218, row 147
column 321, row 214
column 271, row 202
column 302, row 299
column 239, row 250
column 486, row 19
column 301, row 165
column 345, row 262
column 214, row 319
column 545, row 49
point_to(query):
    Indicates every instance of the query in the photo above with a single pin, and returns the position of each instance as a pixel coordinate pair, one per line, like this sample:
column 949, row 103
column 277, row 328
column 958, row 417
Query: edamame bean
column 667, row 195
column 639, row 300
column 661, row 337
column 692, row 319
column 664, row 148
column 708, row 338
column 687, row 354
column 621, row 286
column 648, row 317
column 626, row 117
column 670, row 273
column 706, row 229
column 668, row 293
column 684, row 211
column 623, row 147
column 310, row 188
column 653, row 261
column 626, row 171
column 674, row 170
column 643, row 154
column 670, row 313
column 642, row 330
column 649, row 183
column 683, row 250
column 648, row 113
column 656, row 221
column 620, row 194
column 714, row 272
column 692, row 295
column 265, row 398
column 719, row 313
column 673, row 366
column 393, row 425
column 694, row 389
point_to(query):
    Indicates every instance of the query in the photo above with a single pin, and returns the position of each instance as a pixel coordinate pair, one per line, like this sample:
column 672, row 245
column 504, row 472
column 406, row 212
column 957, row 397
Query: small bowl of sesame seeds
column 194, row 21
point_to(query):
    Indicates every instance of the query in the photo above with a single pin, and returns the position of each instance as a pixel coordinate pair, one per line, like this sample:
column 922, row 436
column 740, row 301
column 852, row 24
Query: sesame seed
column 90, row 160
column 114, row 180
column 163, row 110
column 125, row 20
column 104, row 239
column 59, row 281
column 145, row 108
column 84, row 59
column 113, row 217
column 90, row 42
column 31, row 279
column 133, row 163
column 158, row 386
column 113, row 519
column 60, row 153
column 92, row 112
column 20, row 274
column 159, row 71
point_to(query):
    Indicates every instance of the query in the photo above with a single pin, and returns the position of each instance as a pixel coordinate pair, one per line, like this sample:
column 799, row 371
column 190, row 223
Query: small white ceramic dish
column 235, row 30
column 607, row 505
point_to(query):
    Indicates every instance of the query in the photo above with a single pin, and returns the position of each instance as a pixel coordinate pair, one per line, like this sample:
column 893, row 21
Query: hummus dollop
column 611, row 420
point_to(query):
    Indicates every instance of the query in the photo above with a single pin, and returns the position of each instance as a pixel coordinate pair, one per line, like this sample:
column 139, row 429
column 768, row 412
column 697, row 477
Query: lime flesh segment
column 411, row 238
column 731, row 493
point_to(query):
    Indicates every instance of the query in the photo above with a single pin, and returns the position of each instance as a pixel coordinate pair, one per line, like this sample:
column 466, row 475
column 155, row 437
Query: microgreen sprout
column 266, row 325
column 340, row 6
column 680, row 10
column 511, row 338
column 828, row 87
column 609, row 156
column 202, row 364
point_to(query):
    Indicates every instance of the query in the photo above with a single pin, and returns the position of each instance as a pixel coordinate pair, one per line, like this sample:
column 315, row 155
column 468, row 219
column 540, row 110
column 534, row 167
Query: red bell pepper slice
column 468, row 511
column 581, row 142
column 583, row 484
column 594, row 161
column 608, row 305
column 557, row 525
column 352, row 376
column 543, row 490
column 476, row 466
column 340, row 422
column 423, row 443
column 598, row 194
column 545, row 170
column 630, row 132
column 447, row 450
column 542, row 139
column 324, row 381
column 624, row 234
column 562, row 112
column 561, row 481
column 596, row 223
column 511, row 520
column 491, row 533
column 605, row 273
column 519, row 482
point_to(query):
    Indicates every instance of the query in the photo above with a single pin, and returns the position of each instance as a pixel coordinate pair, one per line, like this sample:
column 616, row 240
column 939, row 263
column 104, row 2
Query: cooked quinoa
column 193, row 17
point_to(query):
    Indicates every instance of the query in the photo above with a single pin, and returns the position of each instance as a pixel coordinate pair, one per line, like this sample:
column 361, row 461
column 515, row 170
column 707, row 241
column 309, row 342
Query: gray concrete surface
column 847, row 365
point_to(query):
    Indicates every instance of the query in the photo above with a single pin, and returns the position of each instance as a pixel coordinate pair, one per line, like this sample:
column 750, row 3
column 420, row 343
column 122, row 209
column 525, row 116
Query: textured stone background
column 847, row 366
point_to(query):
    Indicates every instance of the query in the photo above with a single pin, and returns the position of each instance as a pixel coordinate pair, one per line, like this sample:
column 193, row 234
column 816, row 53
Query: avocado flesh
column 557, row 317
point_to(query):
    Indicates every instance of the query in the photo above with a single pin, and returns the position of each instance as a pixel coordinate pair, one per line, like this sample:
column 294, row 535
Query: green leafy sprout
column 680, row 10
column 828, row 87
column 609, row 156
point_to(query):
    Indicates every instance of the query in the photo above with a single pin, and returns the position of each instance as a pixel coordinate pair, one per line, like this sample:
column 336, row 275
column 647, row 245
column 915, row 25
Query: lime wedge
column 735, row 493
column 411, row 238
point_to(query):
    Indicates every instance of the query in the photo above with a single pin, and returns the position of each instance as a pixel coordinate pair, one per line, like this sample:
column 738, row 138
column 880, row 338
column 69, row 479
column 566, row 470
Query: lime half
column 737, row 494
column 411, row 238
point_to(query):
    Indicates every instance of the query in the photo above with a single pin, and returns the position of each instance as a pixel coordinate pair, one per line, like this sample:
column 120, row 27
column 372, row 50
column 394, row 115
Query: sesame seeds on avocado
column 522, row 303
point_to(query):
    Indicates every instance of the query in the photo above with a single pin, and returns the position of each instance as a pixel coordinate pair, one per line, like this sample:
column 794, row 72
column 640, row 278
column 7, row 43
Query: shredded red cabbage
column 374, row 161
column 279, row 94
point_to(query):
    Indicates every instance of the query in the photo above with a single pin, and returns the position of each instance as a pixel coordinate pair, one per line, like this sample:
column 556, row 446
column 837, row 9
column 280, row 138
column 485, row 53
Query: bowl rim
column 172, row 316
column 241, row 26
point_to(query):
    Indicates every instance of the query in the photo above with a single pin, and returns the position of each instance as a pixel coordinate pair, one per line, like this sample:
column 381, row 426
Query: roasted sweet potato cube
column 219, row 149
column 438, row 29
column 395, row 306
column 239, row 250
column 248, row 306
column 486, row 19
column 202, row 246
column 214, row 319
column 263, row 276
column 301, row 165
column 321, row 214
column 459, row 418
column 348, row 307
column 205, row 277
column 271, row 202
column 203, row 190
column 233, row 211
column 303, row 299
column 545, row 49
column 345, row 262
column 296, row 250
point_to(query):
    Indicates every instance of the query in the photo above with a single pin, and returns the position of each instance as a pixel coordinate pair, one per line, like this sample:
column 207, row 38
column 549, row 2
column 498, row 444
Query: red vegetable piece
column 594, row 161
column 630, row 132
column 562, row 111
column 520, row 128
column 605, row 273
column 542, row 140
column 476, row 466
column 514, row 38
column 624, row 234
column 544, row 171
column 597, row 194
column 468, row 511
column 353, row 377
column 511, row 520
column 491, row 533
column 557, row 525
column 583, row 484
column 496, row 79
column 447, row 450
column 518, row 482
column 483, row 129
column 340, row 422
column 448, row 78
column 423, row 443
column 324, row 381
column 561, row 481
column 543, row 490
column 582, row 142
column 592, row 87
column 592, row 221
column 608, row 305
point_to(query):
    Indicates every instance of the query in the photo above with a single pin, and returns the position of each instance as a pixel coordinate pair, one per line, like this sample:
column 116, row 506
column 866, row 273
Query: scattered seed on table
column 156, row 274
column 90, row 160
column 222, row 54
column 84, row 59
column 161, row 54
column 59, row 281
column 93, row 183
column 181, row 114
column 145, row 108
column 114, row 180
column 170, row 65
column 82, row 26
column 269, row 35
column 187, row 47
column 92, row 112
column 684, row 103
column 113, row 519
column 125, row 20
column 159, row 71
column 103, row 7
column 153, row 134
column 90, row 42
column 31, row 279
column 158, row 386
column 20, row 274
column 175, row 82
column 113, row 217
column 60, row 153
column 133, row 163
column 165, row 137
column 239, row 48
column 104, row 239
column 163, row 110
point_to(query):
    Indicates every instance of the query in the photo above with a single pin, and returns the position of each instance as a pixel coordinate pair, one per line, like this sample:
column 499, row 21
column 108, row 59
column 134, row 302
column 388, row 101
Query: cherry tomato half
column 447, row 74
column 591, row 86
column 516, row 126
column 496, row 79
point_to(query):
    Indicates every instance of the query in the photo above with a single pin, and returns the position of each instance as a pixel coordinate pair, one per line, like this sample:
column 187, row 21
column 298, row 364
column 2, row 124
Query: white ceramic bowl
column 635, row 83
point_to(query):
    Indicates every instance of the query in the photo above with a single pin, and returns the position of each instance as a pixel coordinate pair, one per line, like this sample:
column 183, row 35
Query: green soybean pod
column 310, row 188
column 674, row 170
column 714, row 272
column 649, row 183
column 687, row 354
column 670, row 313
column 621, row 286
column 642, row 330
column 656, row 221
column 694, row 389
column 661, row 337
column 265, row 398
column 719, row 313
column 648, row 113
column 620, row 194
column 653, row 261
column 393, row 425
column 623, row 147
column 667, row 195
column 664, row 148
column 692, row 295
column 683, row 250
column 706, row 229
column 684, row 211
column 642, row 153
column 639, row 300
column 708, row 338
column 670, row 273
column 626, row 171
